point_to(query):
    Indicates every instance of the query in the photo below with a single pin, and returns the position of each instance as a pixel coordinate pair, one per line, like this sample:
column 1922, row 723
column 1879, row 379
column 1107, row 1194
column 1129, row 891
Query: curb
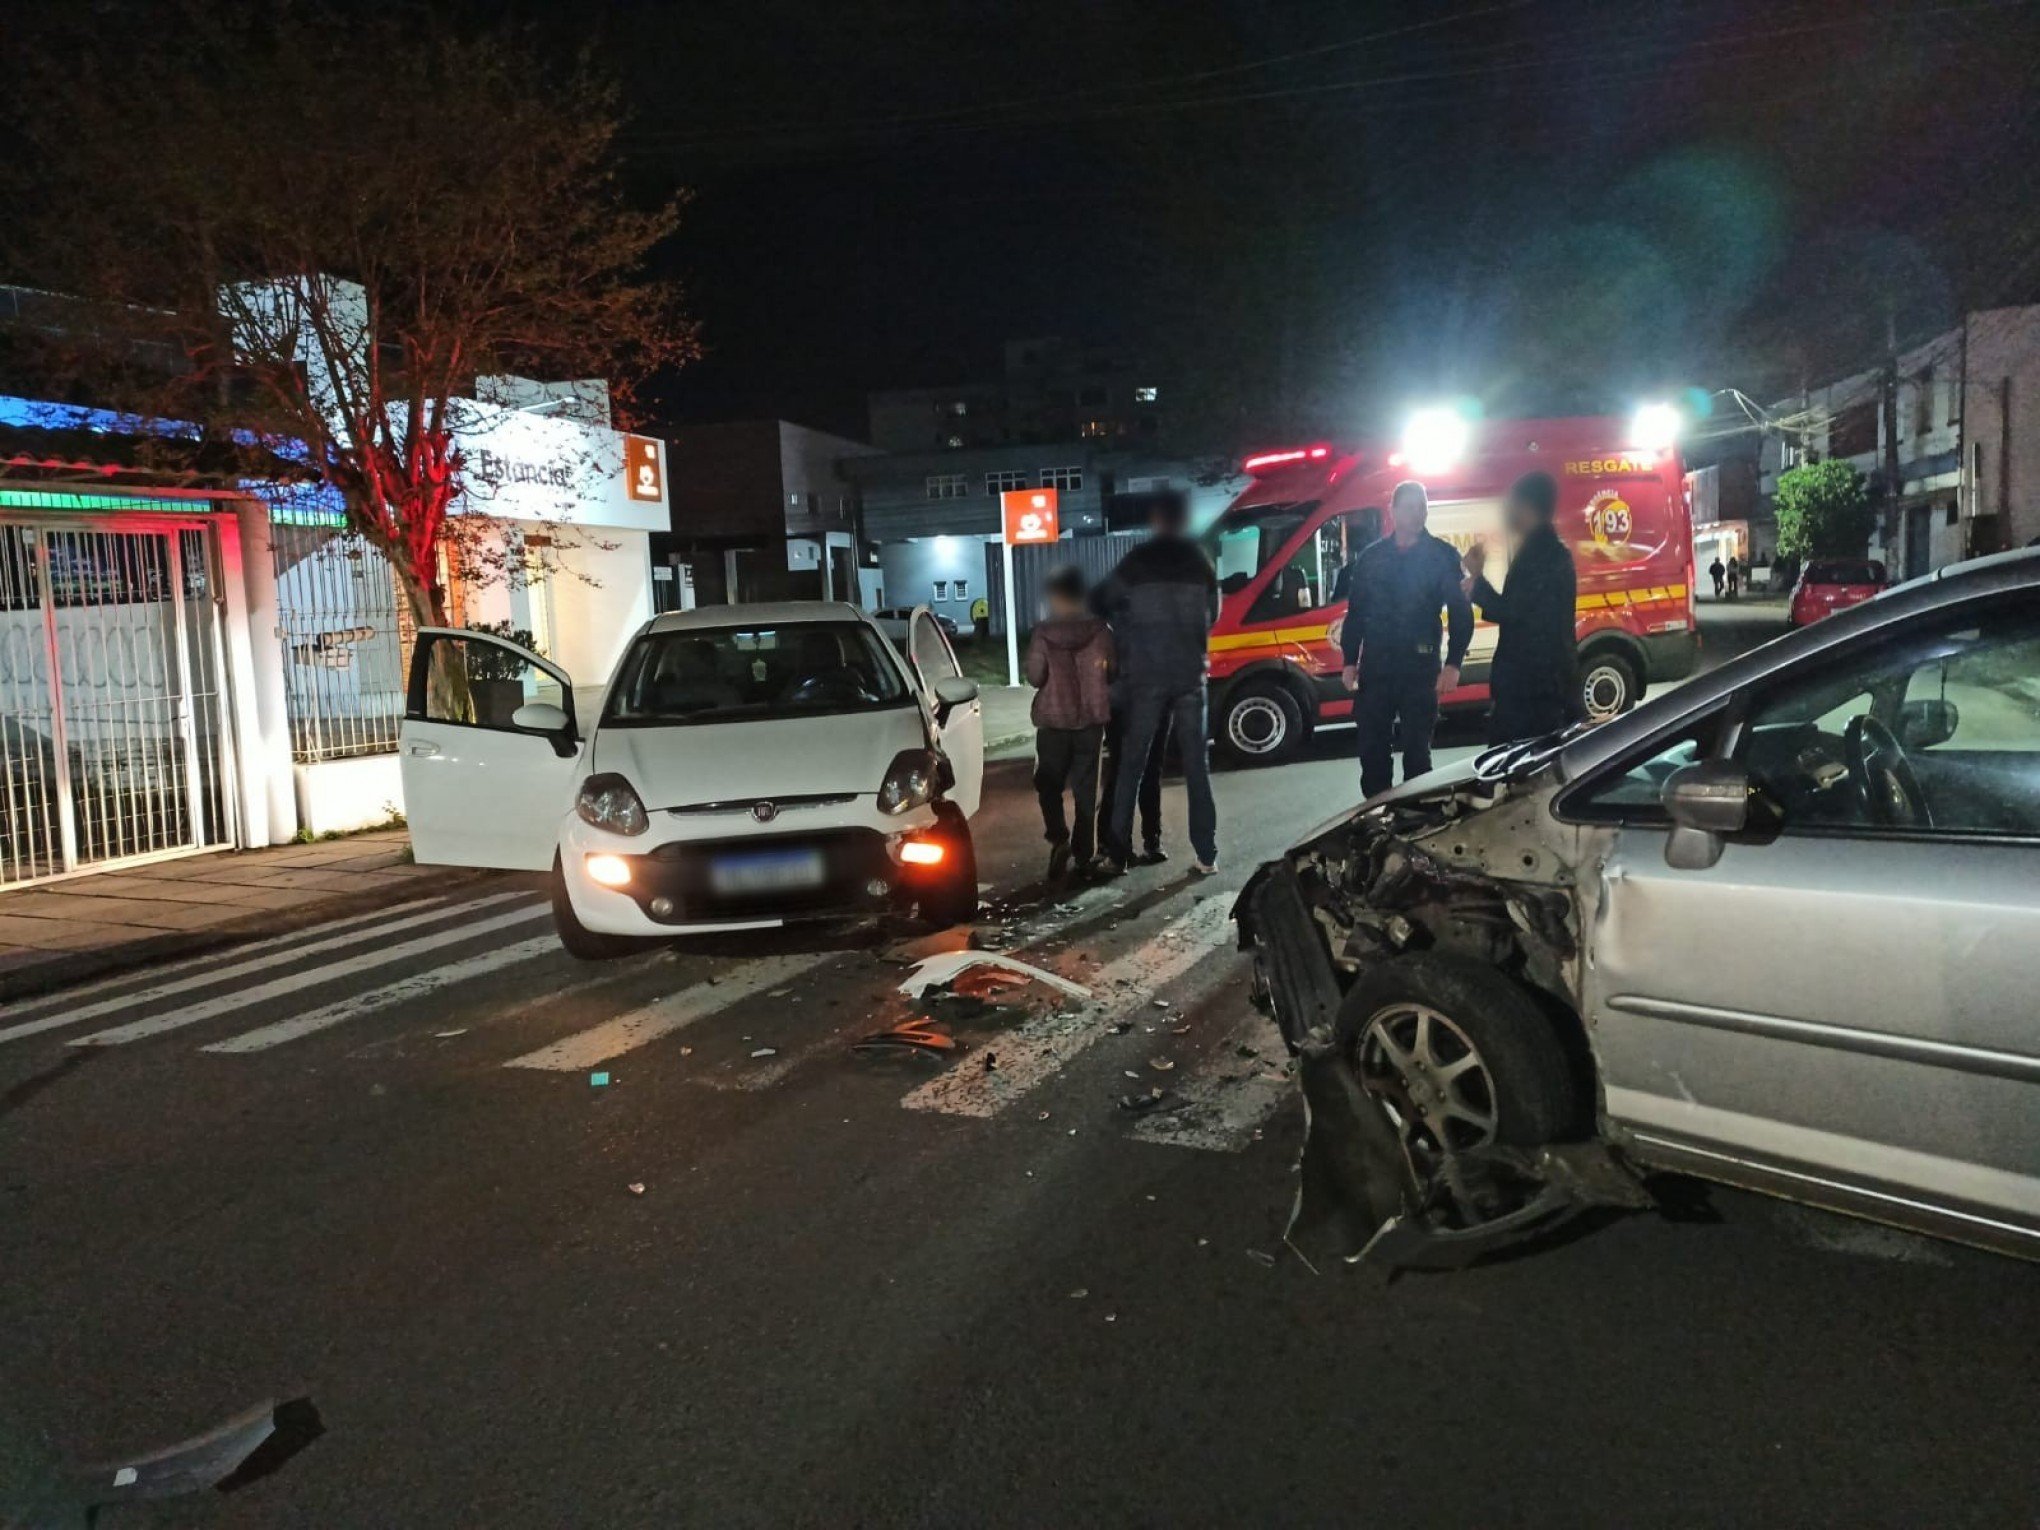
column 68, row 971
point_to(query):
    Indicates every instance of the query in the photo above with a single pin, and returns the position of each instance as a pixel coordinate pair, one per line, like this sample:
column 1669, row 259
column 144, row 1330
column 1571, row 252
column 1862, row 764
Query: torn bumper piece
column 1361, row 1197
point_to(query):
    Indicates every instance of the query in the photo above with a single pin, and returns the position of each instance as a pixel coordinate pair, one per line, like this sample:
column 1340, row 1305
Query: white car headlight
column 910, row 782
column 610, row 802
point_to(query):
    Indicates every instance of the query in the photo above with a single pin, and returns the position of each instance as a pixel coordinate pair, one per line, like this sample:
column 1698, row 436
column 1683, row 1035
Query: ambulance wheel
column 952, row 897
column 1608, row 685
column 1261, row 724
column 582, row 943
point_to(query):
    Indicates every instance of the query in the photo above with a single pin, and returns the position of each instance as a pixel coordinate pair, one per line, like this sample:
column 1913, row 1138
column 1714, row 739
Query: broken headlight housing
column 910, row 781
column 612, row 803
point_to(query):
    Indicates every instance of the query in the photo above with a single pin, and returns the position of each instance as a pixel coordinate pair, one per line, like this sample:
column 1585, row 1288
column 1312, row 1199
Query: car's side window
column 1932, row 729
column 478, row 683
column 1630, row 791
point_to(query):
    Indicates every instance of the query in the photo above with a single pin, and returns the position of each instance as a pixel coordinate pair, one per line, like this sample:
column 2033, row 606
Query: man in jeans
column 1161, row 602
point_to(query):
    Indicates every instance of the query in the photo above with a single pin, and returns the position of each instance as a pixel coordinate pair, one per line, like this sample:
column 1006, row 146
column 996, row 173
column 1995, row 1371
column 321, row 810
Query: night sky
column 1309, row 213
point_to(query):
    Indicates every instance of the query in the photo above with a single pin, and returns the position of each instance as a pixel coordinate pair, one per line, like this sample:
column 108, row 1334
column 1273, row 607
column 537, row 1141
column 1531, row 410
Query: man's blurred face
column 1519, row 516
column 1411, row 511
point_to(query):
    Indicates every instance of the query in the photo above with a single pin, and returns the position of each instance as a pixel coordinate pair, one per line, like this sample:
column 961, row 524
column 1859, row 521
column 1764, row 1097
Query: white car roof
column 776, row 613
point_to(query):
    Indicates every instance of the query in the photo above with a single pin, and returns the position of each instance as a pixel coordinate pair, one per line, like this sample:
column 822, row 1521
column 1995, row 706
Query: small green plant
column 485, row 661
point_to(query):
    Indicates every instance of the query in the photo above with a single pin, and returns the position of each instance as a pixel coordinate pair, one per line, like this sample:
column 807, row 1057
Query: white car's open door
column 953, row 700
column 490, row 752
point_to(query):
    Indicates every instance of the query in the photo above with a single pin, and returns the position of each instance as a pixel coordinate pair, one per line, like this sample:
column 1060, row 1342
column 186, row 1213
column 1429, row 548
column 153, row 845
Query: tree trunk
column 448, row 696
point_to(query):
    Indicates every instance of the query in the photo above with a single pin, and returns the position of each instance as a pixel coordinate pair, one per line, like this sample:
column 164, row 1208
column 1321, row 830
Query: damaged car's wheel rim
column 1430, row 1077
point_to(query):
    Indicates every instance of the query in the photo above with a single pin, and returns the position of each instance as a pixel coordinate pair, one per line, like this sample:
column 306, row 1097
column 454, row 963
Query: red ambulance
column 1281, row 548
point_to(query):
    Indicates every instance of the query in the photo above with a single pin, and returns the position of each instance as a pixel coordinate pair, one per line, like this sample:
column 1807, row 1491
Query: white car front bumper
column 675, row 889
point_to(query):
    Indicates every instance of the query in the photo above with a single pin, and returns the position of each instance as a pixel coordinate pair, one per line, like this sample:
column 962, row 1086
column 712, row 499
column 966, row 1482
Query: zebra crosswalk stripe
column 207, row 1009
column 262, row 1038
column 65, row 1010
column 626, row 1033
column 1226, row 1097
column 1047, row 1044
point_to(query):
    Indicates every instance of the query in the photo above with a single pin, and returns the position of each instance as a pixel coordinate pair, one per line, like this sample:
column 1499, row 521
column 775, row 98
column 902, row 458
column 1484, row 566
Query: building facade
column 762, row 510
column 1966, row 406
column 1049, row 390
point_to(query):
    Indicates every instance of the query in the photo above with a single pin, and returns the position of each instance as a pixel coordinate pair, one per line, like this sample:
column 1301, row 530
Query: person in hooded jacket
column 1069, row 664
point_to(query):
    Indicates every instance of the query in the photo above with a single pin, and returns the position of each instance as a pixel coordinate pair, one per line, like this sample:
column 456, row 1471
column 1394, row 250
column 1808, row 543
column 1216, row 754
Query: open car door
column 490, row 752
column 953, row 699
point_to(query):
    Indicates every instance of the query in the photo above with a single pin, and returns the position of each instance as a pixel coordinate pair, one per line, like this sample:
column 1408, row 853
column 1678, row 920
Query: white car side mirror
column 955, row 690
column 539, row 717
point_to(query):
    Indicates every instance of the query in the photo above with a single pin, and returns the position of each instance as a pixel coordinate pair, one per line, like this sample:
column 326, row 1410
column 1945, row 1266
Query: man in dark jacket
column 1161, row 602
column 1391, row 639
column 1531, row 684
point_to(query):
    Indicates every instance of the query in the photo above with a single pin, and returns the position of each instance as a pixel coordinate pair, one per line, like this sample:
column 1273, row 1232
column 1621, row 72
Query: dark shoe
column 1154, row 855
column 1058, row 860
column 1108, row 867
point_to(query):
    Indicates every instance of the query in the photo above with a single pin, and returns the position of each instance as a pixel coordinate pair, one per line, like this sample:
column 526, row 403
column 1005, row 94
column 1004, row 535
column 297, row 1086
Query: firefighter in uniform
column 1392, row 640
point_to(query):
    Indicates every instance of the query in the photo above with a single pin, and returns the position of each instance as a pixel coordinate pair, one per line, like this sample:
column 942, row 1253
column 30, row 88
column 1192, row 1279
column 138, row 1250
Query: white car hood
column 684, row 766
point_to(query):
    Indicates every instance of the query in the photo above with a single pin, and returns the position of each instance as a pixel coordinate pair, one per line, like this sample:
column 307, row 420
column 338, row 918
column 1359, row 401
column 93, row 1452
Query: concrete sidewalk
column 60, row 933
column 1008, row 729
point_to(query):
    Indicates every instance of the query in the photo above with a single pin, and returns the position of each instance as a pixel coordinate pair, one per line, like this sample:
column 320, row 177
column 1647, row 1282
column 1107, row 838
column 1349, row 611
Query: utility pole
column 1892, row 484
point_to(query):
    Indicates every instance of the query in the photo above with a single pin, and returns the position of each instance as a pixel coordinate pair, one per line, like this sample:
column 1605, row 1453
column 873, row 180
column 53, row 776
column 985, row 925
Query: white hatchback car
column 748, row 765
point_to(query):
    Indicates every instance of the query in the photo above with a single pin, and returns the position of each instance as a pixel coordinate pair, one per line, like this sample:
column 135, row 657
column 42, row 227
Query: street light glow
column 1435, row 439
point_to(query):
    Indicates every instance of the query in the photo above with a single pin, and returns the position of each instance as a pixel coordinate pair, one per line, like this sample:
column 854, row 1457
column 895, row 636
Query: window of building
column 963, row 589
column 941, row 589
column 1143, row 395
column 1064, row 480
column 1923, row 404
column 960, row 408
column 1952, row 515
column 793, row 501
column 1093, row 430
column 1004, row 483
column 1854, row 431
column 1951, row 412
column 948, row 486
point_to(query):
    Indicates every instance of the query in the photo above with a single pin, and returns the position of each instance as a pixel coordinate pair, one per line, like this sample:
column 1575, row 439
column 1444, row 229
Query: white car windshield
column 742, row 674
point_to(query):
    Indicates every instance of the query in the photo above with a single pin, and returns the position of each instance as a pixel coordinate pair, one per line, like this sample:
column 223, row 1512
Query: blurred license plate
column 765, row 871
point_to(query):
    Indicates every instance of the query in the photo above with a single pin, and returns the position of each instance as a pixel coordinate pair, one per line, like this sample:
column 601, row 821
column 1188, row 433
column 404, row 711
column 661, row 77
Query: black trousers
column 1150, row 778
column 1066, row 759
column 1396, row 703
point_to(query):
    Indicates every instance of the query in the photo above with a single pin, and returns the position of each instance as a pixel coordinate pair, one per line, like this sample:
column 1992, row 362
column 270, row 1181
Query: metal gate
column 113, row 710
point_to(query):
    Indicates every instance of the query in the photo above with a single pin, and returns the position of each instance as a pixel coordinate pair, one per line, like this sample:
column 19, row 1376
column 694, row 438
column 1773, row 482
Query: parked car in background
column 750, row 765
column 1774, row 928
column 1828, row 585
column 894, row 620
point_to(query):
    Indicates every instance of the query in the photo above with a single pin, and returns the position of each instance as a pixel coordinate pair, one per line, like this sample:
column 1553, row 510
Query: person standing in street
column 1391, row 640
column 1734, row 575
column 1161, row 601
column 1069, row 664
column 1530, row 686
column 1717, row 571
column 1151, row 852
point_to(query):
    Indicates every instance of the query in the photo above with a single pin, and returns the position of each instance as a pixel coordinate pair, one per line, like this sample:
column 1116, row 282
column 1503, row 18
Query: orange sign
column 1030, row 516
column 644, row 474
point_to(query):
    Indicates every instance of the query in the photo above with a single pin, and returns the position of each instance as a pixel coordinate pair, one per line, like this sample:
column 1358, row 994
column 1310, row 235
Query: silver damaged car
column 1779, row 927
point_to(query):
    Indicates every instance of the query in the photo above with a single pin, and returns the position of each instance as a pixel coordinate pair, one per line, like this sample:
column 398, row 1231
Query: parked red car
column 1828, row 585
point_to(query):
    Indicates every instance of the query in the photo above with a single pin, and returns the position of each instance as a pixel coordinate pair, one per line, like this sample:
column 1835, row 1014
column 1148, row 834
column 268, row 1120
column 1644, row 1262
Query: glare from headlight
column 609, row 802
column 609, row 870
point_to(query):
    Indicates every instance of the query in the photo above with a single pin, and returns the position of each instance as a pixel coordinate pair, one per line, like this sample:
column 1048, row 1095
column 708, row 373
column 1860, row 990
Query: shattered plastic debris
column 636, row 1187
column 244, row 1449
column 765, row 1052
column 1121, row 1027
column 1079, row 1294
column 599, row 1079
column 945, row 967
column 1261, row 1256
column 910, row 1036
column 1160, row 1064
column 459, row 1030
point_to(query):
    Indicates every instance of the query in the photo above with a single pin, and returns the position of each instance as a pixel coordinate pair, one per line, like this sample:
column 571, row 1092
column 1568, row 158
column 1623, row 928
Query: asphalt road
column 886, row 1290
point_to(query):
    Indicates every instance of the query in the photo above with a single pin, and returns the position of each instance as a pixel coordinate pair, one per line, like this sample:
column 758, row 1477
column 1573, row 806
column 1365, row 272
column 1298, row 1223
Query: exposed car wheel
column 1261, row 724
column 1609, row 685
column 581, row 942
column 1459, row 1056
column 952, row 897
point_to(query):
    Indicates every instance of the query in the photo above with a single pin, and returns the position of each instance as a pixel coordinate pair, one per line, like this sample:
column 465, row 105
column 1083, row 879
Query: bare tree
column 307, row 236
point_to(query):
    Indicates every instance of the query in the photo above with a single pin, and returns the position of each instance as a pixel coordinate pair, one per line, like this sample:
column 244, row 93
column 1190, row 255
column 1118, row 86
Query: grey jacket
column 1161, row 602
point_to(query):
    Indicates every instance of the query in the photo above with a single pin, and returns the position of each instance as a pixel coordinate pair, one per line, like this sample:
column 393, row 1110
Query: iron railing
column 337, row 605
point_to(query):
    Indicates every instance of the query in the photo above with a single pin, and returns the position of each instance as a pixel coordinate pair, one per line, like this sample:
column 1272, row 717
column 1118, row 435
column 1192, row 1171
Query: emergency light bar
column 1268, row 460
